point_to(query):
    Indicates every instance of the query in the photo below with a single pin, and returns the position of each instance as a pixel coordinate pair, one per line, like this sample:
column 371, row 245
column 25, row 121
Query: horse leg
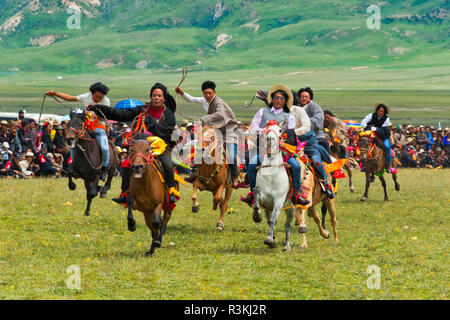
column 397, row 185
column 383, row 183
column 224, row 207
column 148, row 215
column 323, row 232
column 72, row 185
column 324, row 214
column 157, row 220
column 163, row 228
column 257, row 217
column 89, row 197
column 300, row 215
column 195, row 204
column 107, row 185
column 287, row 228
column 130, row 218
column 366, row 192
column 349, row 173
column 331, row 207
column 217, row 200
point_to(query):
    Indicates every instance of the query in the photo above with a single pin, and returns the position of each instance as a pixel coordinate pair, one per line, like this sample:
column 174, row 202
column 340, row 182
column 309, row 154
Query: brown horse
column 312, row 186
column 213, row 176
column 338, row 151
column 374, row 158
column 147, row 192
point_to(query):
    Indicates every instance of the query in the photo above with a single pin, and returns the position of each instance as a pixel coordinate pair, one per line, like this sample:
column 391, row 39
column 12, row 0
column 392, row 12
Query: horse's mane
column 141, row 136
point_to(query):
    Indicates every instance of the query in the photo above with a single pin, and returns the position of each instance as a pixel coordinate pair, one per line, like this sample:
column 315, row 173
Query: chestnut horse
column 315, row 195
column 147, row 191
column 212, row 175
column 374, row 158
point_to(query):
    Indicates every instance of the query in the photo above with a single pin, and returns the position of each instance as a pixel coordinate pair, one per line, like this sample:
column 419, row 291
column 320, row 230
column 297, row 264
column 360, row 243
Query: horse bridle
column 148, row 159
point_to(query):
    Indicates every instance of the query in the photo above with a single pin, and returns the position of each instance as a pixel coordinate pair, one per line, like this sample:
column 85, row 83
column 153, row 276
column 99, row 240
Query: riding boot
column 192, row 176
column 298, row 198
column 250, row 199
column 121, row 199
column 330, row 194
column 104, row 173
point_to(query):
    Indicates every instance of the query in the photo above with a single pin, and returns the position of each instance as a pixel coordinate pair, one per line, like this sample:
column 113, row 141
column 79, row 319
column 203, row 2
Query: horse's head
column 75, row 125
column 140, row 156
column 365, row 143
column 209, row 138
column 273, row 133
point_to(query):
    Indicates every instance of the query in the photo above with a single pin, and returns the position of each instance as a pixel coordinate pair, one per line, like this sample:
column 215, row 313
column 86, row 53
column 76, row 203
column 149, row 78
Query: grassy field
column 43, row 232
column 416, row 96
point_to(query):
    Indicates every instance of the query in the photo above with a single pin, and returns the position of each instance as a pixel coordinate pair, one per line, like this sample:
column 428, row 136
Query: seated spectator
column 46, row 165
column 29, row 168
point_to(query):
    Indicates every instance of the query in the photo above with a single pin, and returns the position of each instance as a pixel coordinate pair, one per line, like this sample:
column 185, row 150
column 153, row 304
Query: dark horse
column 87, row 159
column 374, row 158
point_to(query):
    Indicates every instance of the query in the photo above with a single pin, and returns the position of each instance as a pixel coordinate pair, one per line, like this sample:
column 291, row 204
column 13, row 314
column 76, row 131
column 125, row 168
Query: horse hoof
column 195, row 209
column 363, row 199
column 102, row 195
column 72, row 186
column 220, row 226
column 149, row 253
column 132, row 226
column 270, row 242
column 287, row 248
column 86, row 213
column 302, row 229
column 304, row 246
column 257, row 218
column 352, row 189
column 297, row 223
column 372, row 179
column 386, row 199
column 397, row 187
column 326, row 234
column 156, row 244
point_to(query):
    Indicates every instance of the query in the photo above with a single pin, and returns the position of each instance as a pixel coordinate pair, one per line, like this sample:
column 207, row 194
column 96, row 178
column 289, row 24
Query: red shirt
column 155, row 113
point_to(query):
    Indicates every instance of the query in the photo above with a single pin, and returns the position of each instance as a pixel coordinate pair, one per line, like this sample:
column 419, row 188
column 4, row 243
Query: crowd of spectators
column 29, row 150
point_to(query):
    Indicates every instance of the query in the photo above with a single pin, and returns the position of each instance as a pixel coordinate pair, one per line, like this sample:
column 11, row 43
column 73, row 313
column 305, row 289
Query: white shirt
column 302, row 122
column 201, row 100
column 367, row 119
column 255, row 126
column 86, row 100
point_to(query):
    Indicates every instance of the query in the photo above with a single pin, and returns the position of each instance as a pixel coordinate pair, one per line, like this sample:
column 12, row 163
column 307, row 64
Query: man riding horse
column 97, row 95
column 380, row 124
column 223, row 118
column 280, row 101
column 160, row 122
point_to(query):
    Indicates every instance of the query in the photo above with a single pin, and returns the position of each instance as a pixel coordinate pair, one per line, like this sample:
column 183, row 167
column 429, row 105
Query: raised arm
column 61, row 95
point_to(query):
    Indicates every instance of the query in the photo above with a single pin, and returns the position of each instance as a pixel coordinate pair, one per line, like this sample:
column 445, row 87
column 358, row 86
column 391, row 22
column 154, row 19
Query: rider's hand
column 373, row 129
column 51, row 93
column 179, row 90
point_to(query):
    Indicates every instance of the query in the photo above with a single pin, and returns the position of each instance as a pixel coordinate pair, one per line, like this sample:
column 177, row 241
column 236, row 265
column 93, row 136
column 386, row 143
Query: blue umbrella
column 128, row 103
column 66, row 117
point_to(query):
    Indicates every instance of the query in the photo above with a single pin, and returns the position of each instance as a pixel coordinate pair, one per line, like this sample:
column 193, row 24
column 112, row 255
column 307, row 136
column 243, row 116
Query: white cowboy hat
column 281, row 87
column 29, row 154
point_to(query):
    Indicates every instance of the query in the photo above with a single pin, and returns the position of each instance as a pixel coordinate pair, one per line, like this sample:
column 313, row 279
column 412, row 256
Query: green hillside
column 213, row 35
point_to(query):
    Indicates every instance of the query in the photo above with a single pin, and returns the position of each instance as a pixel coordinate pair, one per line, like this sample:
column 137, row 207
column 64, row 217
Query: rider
column 160, row 122
column 380, row 124
column 223, row 118
column 97, row 95
column 280, row 101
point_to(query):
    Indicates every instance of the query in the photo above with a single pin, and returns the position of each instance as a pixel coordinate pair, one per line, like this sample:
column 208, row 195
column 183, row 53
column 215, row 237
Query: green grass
column 41, row 235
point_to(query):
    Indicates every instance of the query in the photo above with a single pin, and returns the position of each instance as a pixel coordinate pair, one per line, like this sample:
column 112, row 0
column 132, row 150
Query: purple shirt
column 255, row 127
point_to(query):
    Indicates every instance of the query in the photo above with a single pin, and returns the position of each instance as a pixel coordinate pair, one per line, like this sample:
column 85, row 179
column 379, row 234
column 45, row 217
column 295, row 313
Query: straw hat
column 29, row 154
column 281, row 87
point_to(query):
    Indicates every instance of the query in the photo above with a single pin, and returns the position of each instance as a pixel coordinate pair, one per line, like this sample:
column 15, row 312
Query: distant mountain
column 92, row 35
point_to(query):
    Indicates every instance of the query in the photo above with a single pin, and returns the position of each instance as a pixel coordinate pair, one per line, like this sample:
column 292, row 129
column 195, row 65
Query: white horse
column 272, row 188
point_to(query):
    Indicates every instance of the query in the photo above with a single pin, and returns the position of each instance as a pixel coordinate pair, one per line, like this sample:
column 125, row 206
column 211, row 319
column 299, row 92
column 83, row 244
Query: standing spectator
column 46, row 136
column 25, row 136
column 421, row 138
column 60, row 141
column 4, row 132
column 429, row 137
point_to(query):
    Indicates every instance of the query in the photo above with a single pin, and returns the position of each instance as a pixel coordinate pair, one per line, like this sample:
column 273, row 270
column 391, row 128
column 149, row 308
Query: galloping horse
column 147, row 191
column 213, row 175
column 87, row 159
column 313, row 187
column 272, row 188
column 337, row 152
column 375, row 162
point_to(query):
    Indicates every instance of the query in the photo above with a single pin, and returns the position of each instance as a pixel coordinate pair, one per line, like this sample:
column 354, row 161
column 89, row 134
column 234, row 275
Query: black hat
column 16, row 155
column 44, row 146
